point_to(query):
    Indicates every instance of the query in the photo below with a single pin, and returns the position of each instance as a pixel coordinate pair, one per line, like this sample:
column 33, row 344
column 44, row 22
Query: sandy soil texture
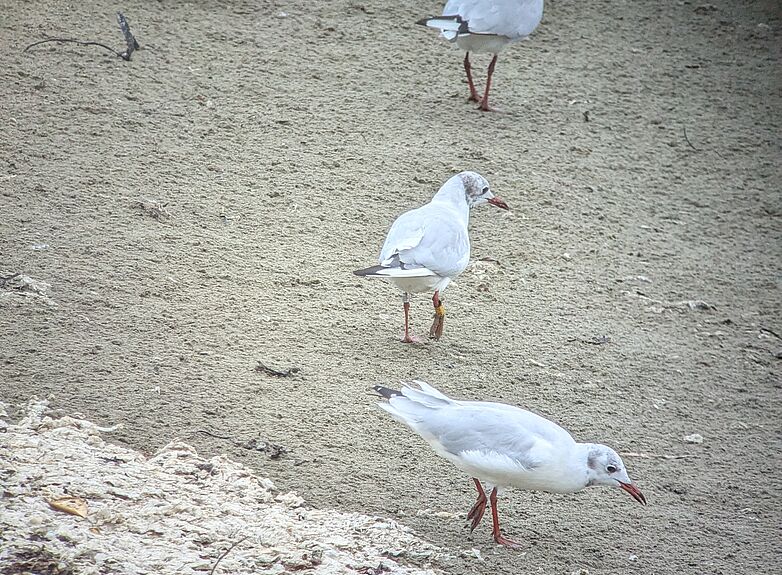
column 200, row 208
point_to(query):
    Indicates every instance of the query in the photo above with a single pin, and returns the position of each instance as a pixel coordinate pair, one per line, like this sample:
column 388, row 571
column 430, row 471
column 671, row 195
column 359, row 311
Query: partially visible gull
column 486, row 26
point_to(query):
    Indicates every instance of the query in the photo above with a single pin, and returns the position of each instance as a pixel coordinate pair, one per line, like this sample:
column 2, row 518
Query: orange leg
column 476, row 512
column 485, row 102
column 467, row 68
column 498, row 537
column 436, row 331
column 407, row 338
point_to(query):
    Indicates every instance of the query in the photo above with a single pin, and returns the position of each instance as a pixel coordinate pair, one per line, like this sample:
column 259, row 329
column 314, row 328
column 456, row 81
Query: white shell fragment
column 694, row 438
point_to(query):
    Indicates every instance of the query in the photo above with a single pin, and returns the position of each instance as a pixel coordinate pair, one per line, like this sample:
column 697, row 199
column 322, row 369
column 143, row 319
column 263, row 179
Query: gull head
column 477, row 191
column 605, row 467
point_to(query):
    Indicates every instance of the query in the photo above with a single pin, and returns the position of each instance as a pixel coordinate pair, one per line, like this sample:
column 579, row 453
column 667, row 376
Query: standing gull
column 486, row 26
column 429, row 246
column 504, row 446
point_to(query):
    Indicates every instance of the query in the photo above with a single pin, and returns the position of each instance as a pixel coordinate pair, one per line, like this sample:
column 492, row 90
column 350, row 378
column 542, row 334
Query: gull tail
column 445, row 23
column 371, row 271
column 424, row 394
column 386, row 392
column 410, row 405
column 393, row 272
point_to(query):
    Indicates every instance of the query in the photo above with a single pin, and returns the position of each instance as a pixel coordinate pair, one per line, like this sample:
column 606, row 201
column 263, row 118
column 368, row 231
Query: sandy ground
column 284, row 137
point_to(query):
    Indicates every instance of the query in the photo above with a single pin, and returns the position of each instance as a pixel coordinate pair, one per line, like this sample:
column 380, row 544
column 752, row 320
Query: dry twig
column 153, row 208
column 130, row 40
column 653, row 455
column 273, row 450
column 691, row 304
column 688, row 139
column 594, row 340
column 226, row 552
column 132, row 44
column 263, row 368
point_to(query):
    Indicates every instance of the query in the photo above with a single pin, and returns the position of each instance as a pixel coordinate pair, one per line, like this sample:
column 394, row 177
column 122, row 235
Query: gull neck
column 452, row 194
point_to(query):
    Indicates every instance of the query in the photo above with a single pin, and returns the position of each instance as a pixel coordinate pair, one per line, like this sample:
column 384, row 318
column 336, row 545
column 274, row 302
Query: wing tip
column 386, row 392
column 452, row 23
column 370, row 271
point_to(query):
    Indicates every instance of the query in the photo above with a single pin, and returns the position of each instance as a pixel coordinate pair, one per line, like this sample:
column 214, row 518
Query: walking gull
column 429, row 246
column 486, row 26
column 504, row 446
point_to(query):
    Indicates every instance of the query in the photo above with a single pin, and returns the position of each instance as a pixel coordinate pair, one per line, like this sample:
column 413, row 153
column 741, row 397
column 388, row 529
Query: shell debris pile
column 175, row 512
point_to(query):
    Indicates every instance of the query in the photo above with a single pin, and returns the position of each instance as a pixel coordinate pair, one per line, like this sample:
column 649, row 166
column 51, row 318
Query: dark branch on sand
column 130, row 40
column 226, row 552
column 132, row 44
column 653, row 455
column 210, row 434
column 273, row 450
column 72, row 41
column 688, row 139
column 263, row 368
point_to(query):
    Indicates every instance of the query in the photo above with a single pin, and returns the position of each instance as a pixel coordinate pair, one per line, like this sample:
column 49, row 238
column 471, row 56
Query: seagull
column 504, row 446
column 485, row 26
column 429, row 246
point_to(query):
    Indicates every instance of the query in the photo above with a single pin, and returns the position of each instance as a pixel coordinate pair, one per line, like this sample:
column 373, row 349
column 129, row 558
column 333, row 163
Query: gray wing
column 484, row 431
column 490, row 435
column 481, row 435
column 428, row 237
column 512, row 18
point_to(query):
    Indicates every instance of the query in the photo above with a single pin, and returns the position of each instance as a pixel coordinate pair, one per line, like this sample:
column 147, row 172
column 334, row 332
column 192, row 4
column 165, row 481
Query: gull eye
column 485, row 189
column 611, row 469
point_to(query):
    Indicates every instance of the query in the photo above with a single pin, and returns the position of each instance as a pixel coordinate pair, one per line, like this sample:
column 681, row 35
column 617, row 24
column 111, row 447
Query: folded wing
column 476, row 435
column 512, row 18
column 427, row 239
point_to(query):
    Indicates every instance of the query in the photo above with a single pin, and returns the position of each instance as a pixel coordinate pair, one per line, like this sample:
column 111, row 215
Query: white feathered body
column 500, row 444
column 429, row 246
column 491, row 24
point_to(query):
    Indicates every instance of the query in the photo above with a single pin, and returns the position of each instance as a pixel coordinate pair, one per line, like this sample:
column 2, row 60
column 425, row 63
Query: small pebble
column 694, row 438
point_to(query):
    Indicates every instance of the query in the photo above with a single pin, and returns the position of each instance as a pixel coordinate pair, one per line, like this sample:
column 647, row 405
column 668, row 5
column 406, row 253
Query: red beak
column 634, row 492
column 499, row 202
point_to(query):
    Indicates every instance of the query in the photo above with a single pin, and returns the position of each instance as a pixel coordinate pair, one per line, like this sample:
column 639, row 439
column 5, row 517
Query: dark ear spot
column 592, row 461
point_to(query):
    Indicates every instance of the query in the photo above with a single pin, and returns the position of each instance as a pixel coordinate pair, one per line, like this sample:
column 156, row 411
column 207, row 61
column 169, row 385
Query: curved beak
column 499, row 202
column 634, row 492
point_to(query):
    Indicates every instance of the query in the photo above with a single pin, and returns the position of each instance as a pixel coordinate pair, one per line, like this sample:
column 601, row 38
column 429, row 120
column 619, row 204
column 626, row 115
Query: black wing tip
column 368, row 271
column 386, row 392
column 456, row 18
